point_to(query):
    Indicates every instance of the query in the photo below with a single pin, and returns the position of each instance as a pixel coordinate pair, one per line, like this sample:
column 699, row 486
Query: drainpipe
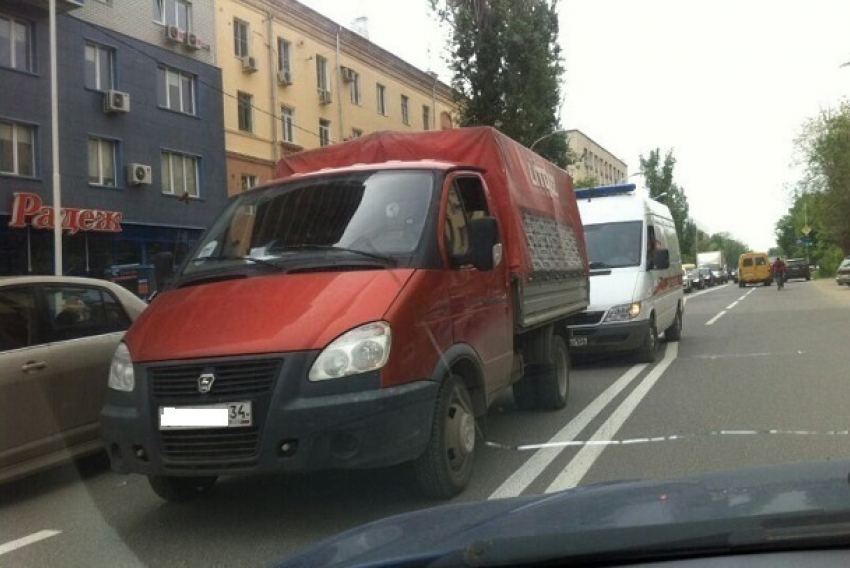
column 434, row 101
column 339, row 87
column 273, row 82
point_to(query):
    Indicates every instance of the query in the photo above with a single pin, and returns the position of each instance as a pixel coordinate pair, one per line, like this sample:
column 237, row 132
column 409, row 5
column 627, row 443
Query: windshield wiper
column 260, row 261
column 599, row 264
column 375, row 256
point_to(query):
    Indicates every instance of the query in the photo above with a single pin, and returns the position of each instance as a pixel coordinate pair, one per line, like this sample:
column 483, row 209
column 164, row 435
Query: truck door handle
column 33, row 366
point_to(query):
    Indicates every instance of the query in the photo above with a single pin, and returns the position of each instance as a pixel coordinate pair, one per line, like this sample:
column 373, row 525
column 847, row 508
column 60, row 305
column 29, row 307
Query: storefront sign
column 28, row 209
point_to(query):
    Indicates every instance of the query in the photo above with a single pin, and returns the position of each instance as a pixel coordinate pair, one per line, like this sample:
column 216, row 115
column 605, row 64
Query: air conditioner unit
column 116, row 101
column 325, row 97
column 249, row 64
column 193, row 41
column 139, row 174
column 284, row 77
column 348, row 75
column 174, row 34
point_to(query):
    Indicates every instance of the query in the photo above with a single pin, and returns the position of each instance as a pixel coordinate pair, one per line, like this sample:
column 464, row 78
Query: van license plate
column 224, row 415
column 578, row 341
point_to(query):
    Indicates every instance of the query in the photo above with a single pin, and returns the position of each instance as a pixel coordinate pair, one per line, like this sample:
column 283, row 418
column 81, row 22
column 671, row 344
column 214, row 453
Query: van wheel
column 180, row 489
column 674, row 332
column 445, row 468
column 648, row 352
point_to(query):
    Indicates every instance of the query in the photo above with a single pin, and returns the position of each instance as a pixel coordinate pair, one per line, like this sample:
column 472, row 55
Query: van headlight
column 624, row 312
column 364, row 348
column 121, row 376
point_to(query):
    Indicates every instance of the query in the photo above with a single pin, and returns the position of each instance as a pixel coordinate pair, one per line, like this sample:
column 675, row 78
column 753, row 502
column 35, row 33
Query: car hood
column 263, row 314
column 612, row 287
column 740, row 498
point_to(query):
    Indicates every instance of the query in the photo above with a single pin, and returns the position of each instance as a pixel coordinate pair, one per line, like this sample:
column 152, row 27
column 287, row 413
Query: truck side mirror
column 163, row 268
column 483, row 236
column 660, row 259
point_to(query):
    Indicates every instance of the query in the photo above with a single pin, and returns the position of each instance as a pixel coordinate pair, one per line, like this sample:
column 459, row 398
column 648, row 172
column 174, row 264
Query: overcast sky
column 725, row 84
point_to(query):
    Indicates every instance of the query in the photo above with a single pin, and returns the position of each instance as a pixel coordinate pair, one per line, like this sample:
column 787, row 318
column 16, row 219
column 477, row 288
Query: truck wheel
column 445, row 468
column 180, row 489
column 553, row 379
column 740, row 283
column 648, row 352
column 525, row 392
column 674, row 332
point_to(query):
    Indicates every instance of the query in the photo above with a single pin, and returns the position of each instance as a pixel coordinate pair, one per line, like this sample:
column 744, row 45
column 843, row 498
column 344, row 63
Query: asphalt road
column 759, row 376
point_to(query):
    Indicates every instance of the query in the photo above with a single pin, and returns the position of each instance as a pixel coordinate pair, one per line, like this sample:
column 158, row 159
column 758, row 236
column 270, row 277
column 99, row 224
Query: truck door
column 480, row 305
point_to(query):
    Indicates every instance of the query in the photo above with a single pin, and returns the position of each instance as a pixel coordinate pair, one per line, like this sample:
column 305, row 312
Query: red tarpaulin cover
column 534, row 198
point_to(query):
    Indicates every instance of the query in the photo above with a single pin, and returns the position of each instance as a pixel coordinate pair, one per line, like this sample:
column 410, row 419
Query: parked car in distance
column 797, row 268
column 843, row 274
column 695, row 278
column 686, row 281
column 57, row 338
column 706, row 277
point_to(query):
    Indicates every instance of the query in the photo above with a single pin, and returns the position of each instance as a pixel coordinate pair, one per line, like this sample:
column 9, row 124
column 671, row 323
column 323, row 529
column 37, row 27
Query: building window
column 382, row 99
column 99, row 67
column 176, row 90
column 241, row 38
column 179, row 174
column 246, row 112
column 15, row 44
column 324, row 132
column 356, row 133
column 322, row 74
column 249, row 181
column 288, row 117
column 17, row 149
column 356, row 91
column 284, row 56
column 426, row 117
column 174, row 13
column 102, row 162
column 405, row 109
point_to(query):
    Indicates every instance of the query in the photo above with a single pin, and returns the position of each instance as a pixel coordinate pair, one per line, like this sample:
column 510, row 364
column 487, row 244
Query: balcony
column 62, row 6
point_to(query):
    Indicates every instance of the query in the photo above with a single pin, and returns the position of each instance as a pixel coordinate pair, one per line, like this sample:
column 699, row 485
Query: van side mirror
column 163, row 268
column 483, row 236
column 660, row 259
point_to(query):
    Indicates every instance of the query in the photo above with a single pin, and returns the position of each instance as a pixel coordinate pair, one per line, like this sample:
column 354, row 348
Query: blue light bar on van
column 604, row 191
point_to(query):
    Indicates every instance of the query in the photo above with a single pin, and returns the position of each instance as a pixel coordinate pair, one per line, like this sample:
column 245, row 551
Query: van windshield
column 377, row 215
column 613, row 245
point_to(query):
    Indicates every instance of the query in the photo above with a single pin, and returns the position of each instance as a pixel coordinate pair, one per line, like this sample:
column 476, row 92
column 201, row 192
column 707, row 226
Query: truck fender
column 464, row 361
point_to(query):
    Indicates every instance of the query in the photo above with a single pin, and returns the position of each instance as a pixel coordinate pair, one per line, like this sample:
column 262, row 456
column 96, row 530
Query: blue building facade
column 141, row 137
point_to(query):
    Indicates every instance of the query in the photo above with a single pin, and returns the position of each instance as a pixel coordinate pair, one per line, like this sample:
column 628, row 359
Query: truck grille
column 585, row 318
column 210, row 445
column 234, row 378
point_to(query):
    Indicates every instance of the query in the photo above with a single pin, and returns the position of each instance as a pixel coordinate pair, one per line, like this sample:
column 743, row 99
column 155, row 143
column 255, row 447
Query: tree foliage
column 589, row 181
column 507, row 68
column 658, row 175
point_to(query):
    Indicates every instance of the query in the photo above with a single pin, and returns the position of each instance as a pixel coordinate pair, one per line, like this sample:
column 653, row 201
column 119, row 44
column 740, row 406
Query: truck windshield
column 613, row 245
column 366, row 216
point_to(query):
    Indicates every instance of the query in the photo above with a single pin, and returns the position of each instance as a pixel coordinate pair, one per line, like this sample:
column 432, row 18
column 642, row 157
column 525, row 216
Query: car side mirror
column 483, row 238
column 660, row 259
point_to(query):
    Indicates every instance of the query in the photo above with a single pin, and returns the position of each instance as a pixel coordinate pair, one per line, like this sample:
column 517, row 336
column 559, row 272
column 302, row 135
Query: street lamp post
column 54, row 135
column 545, row 136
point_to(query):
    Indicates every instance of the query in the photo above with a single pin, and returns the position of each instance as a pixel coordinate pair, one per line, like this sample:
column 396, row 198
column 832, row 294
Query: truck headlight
column 121, row 376
column 624, row 312
column 364, row 348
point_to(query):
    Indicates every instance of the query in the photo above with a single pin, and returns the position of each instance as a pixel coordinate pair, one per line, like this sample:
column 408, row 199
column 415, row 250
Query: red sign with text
column 28, row 209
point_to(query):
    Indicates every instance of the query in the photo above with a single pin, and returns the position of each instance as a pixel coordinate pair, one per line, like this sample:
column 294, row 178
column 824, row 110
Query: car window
column 760, row 261
column 18, row 318
column 76, row 312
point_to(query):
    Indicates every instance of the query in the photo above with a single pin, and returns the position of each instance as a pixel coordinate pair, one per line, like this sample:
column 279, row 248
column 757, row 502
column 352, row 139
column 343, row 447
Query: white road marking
column 732, row 305
column 715, row 318
column 26, row 541
column 582, row 462
column 741, row 299
column 531, row 469
column 697, row 294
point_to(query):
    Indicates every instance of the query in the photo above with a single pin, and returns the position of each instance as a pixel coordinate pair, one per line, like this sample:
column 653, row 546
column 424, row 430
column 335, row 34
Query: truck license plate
column 224, row 415
column 578, row 341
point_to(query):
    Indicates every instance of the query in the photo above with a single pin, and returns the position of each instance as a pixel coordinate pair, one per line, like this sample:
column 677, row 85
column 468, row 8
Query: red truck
column 363, row 310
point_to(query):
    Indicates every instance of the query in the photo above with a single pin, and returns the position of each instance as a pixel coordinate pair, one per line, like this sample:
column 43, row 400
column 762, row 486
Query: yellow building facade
column 593, row 160
column 294, row 79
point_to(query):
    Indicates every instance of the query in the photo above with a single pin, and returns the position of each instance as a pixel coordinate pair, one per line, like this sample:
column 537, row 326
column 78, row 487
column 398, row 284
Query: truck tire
column 648, row 352
column 740, row 283
column 553, row 379
column 525, row 392
column 674, row 332
column 445, row 468
column 180, row 489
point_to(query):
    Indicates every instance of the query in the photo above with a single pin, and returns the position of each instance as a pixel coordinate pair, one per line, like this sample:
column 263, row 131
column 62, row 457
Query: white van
column 636, row 291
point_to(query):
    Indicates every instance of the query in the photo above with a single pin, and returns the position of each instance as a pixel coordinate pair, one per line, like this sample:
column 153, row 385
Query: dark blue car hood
column 581, row 520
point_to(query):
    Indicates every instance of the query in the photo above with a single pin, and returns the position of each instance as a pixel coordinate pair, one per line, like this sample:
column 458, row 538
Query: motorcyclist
column 778, row 269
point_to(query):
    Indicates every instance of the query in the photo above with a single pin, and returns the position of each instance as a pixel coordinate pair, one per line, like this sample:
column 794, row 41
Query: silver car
column 57, row 338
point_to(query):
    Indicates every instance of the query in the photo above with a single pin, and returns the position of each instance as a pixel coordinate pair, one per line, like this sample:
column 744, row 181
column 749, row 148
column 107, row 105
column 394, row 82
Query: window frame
column 113, row 144
column 426, row 117
column 322, row 79
column 405, row 110
column 181, row 75
column 324, row 132
column 381, row 98
column 29, row 64
column 99, row 50
column 252, row 181
column 287, row 117
column 284, row 55
column 162, row 9
column 356, row 90
column 239, row 43
column 245, row 111
column 184, row 157
column 16, row 163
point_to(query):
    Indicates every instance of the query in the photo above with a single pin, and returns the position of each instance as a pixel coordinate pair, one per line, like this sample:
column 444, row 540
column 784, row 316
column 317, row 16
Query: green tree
column 507, row 68
column 658, row 176
column 590, row 181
